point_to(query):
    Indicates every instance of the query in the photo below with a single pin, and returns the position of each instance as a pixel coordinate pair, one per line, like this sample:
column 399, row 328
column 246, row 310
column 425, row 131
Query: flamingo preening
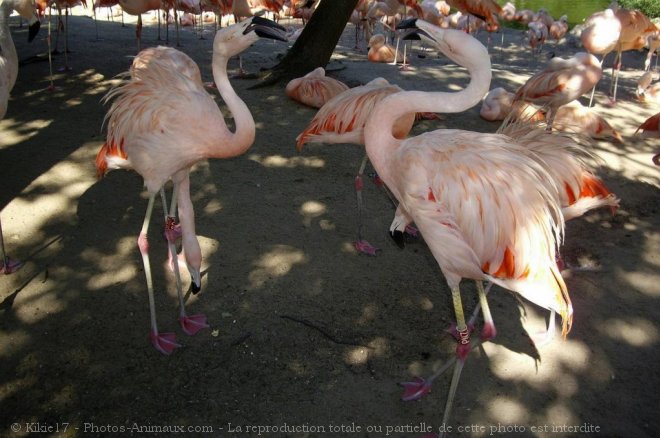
column 160, row 124
column 487, row 207
column 8, row 75
column 315, row 88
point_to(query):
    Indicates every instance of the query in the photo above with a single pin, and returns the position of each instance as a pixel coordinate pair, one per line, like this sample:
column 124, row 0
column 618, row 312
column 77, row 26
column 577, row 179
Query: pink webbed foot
column 164, row 342
column 192, row 324
column 10, row 266
column 416, row 389
column 365, row 247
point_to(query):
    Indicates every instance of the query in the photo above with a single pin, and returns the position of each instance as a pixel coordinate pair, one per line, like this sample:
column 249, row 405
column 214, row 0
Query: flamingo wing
column 484, row 215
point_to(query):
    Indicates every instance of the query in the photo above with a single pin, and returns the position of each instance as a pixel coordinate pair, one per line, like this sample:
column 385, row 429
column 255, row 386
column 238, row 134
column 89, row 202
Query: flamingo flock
column 491, row 207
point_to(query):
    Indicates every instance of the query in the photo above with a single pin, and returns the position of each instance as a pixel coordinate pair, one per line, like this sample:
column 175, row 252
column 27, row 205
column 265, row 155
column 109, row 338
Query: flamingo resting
column 160, row 124
column 8, row 75
column 315, row 88
column 487, row 208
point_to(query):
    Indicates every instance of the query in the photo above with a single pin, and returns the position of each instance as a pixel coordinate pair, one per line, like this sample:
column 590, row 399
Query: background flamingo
column 562, row 81
column 8, row 75
column 342, row 119
column 434, row 173
column 162, row 122
column 575, row 117
column 315, row 88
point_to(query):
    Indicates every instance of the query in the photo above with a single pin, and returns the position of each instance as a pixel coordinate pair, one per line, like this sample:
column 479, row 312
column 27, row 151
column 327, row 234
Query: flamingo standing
column 559, row 28
column 8, row 75
column 139, row 7
column 562, row 81
column 486, row 207
column 537, row 34
column 653, row 42
column 315, row 88
column 160, row 124
column 342, row 119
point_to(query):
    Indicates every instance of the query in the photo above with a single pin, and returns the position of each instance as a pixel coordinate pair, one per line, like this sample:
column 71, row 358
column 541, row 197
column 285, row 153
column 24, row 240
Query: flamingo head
column 458, row 46
column 232, row 40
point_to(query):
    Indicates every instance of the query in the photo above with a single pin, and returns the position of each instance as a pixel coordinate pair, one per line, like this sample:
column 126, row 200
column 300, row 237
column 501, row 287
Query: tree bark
column 315, row 45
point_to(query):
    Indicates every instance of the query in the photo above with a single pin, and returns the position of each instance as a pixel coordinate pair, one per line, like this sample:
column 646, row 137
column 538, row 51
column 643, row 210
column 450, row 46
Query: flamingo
column 650, row 127
column 574, row 117
column 559, row 28
column 562, row 81
column 449, row 181
column 537, row 34
column 487, row 10
column 646, row 89
column 635, row 29
column 380, row 51
column 498, row 105
column 8, row 75
column 139, row 7
column 653, row 42
column 342, row 119
column 315, row 88
column 524, row 16
column 160, row 124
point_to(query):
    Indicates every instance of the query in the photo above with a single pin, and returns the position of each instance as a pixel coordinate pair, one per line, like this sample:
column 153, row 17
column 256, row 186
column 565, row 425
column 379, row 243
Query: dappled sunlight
column 17, row 339
column 122, row 270
column 311, row 210
column 506, row 410
column 14, row 132
column 642, row 281
column 274, row 263
column 637, row 332
column 278, row 161
column 362, row 354
column 560, row 356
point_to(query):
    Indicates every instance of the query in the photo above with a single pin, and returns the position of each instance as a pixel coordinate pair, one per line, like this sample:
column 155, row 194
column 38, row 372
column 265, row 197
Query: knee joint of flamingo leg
column 359, row 184
column 143, row 243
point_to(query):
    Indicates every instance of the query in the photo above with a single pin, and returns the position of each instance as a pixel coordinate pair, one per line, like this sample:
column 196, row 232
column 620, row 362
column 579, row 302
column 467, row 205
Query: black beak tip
column 195, row 289
column 407, row 23
column 399, row 238
column 33, row 31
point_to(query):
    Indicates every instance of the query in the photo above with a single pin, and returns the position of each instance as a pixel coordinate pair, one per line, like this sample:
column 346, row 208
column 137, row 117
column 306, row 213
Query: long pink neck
column 379, row 141
column 242, row 138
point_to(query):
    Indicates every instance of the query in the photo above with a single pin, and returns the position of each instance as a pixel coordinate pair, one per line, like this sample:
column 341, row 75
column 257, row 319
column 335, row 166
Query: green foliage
column 650, row 8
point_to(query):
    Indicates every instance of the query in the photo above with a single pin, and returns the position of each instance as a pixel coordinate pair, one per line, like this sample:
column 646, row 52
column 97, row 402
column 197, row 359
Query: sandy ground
column 305, row 332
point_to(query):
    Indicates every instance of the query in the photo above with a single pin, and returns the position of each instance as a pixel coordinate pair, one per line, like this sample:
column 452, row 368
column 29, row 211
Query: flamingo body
column 315, row 88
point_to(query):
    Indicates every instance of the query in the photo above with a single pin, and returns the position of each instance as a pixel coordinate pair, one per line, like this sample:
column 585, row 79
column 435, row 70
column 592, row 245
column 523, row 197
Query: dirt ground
column 307, row 337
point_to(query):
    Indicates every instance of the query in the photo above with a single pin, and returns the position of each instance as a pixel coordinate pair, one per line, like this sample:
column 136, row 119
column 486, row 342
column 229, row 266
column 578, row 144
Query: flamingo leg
column 544, row 338
column 189, row 324
column 361, row 245
column 7, row 265
column 488, row 332
column 615, row 77
column 550, row 118
column 138, row 32
column 163, row 342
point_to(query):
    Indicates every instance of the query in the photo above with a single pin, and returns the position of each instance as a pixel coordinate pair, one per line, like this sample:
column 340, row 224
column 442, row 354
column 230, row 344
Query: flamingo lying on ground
column 160, row 124
column 562, row 81
column 498, row 105
column 575, row 117
column 315, row 88
column 8, row 75
column 507, row 230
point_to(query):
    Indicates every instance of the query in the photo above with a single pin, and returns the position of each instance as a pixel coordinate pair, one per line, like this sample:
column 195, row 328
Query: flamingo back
column 315, row 88
column 342, row 118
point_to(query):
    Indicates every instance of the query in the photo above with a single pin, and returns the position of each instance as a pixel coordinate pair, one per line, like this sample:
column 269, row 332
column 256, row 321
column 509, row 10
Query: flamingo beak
column 413, row 32
column 266, row 28
column 33, row 30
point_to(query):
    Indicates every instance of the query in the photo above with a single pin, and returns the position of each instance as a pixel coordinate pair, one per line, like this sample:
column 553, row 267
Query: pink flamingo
column 160, row 124
column 315, row 88
column 342, row 119
column 8, row 75
column 139, row 7
column 574, row 117
column 537, row 34
column 650, row 127
column 559, row 28
column 507, row 232
column 380, row 51
column 498, row 105
column 562, row 81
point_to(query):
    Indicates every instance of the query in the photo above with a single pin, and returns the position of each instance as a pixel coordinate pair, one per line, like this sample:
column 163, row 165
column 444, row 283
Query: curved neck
column 379, row 141
column 243, row 136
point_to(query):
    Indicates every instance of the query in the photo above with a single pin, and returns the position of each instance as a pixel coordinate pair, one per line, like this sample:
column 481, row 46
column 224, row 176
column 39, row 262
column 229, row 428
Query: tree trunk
column 315, row 45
